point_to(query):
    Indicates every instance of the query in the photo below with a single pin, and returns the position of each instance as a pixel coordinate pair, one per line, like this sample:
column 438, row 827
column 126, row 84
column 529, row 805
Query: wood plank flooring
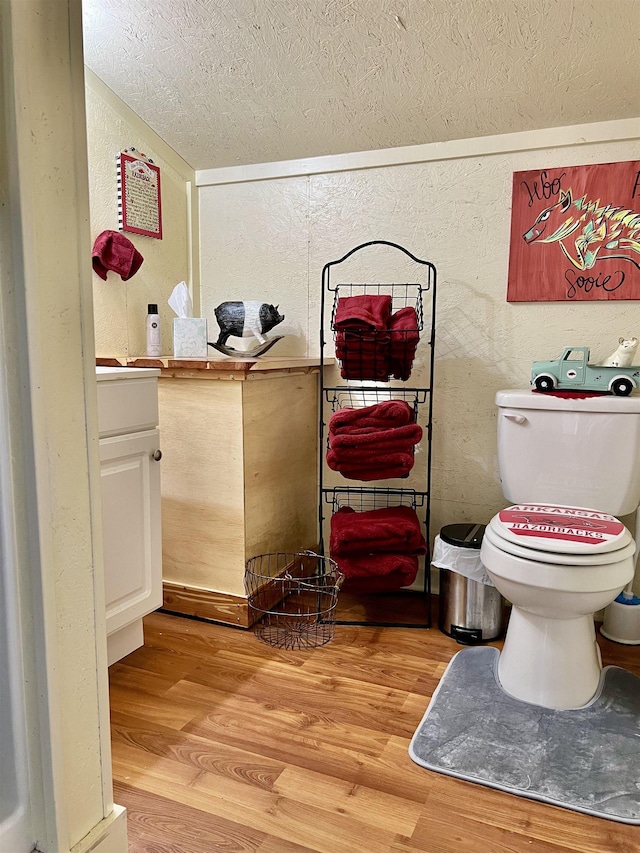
column 221, row 743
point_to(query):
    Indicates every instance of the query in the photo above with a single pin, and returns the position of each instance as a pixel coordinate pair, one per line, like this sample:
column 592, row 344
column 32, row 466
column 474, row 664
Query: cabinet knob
column 157, row 455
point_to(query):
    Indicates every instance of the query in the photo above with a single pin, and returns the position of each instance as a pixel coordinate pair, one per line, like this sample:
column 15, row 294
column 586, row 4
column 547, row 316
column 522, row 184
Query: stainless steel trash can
column 469, row 610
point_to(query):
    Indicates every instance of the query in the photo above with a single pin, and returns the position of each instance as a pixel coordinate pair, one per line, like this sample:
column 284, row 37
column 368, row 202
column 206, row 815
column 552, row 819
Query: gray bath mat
column 586, row 759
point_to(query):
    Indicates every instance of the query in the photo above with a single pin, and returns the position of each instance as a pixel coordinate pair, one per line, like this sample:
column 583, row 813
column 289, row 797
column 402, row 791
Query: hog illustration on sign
column 597, row 231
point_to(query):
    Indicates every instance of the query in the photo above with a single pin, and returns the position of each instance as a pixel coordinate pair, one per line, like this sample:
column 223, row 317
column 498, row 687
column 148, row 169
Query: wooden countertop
column 216, row 367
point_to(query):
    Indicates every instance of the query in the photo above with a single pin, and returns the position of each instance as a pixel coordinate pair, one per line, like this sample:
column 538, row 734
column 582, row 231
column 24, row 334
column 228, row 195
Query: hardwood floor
column 221, row 743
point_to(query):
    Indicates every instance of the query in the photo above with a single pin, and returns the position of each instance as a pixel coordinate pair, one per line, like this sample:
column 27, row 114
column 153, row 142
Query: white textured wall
column 120, row 307
column 270, row 239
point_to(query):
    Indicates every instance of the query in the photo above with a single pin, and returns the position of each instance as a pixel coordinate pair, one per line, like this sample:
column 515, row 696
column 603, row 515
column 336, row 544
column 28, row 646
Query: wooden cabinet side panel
column 202, row 484
column 280, row 463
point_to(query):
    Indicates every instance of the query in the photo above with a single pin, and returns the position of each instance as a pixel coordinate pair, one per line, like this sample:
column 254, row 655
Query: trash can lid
column 466, row 535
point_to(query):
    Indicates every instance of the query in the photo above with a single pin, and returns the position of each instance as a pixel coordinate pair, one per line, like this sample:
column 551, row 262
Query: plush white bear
column 624, row 355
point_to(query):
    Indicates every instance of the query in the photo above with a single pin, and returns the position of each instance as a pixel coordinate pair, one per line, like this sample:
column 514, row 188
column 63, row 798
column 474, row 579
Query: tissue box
column 190, row 337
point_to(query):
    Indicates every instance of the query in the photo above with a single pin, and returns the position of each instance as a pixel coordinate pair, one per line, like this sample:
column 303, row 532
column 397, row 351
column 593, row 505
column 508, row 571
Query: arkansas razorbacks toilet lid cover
column 564, row 529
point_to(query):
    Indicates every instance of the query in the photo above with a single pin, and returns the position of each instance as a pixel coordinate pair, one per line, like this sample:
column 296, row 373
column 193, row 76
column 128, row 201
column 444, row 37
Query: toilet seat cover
column 560, row 529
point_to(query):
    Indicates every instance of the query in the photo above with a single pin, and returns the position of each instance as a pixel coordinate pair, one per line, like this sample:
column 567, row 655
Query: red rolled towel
column 365, row 311
column 395, row 529
column 389, row 413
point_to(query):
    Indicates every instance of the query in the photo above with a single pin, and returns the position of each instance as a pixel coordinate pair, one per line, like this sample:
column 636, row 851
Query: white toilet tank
column 578, row 452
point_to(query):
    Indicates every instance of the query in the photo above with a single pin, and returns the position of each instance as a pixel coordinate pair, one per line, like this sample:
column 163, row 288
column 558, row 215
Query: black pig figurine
column 244, row 319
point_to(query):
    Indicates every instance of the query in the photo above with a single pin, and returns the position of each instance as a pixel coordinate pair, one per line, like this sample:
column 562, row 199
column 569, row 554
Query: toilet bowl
column 557, row 565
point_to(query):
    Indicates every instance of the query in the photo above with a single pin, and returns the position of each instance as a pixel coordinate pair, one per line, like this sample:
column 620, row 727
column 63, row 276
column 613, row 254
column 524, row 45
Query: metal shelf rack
column 375, row 383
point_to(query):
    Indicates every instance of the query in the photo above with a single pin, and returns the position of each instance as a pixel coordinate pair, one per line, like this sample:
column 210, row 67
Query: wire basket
column 401, row 296
column 362, row 499
column 292, row 598
column 362, row 396
column 377, row 353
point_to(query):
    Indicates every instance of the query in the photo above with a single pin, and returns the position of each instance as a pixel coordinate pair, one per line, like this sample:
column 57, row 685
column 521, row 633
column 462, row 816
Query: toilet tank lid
column 561, row 528
column 526, row 398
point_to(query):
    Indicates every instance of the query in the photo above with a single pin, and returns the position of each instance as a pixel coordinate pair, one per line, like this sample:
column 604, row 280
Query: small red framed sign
column 575, row 234
column 139, row 197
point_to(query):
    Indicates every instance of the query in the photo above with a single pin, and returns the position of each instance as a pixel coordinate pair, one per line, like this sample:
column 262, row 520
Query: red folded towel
column 355, row 357
column 378, row 565
column 354, row 430
column 359, row 338
column 358, row 355
column 370, row 455
column 383, row 439
column 403, row 326
column 361, row 349
column 113, row 251
column 400, row 370
column 373, row 371
column 368, row 475
column 404, row 340
column 374, row 585
column 366, row 352
column 389, row 413
column 363, row 355
column 387, row 570
column 395, row 529
column 365, row 311
column 392, row 466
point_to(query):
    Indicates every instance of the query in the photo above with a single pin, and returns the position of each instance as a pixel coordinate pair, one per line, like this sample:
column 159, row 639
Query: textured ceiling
column 232, row 82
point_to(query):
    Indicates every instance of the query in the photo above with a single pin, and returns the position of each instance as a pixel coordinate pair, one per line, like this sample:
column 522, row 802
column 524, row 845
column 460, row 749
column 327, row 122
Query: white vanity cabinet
column 130, row 485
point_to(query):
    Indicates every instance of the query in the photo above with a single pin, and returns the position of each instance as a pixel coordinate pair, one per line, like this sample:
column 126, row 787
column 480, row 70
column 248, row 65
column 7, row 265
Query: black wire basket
column 292, row 598
column 381, row 352
column 361, row 396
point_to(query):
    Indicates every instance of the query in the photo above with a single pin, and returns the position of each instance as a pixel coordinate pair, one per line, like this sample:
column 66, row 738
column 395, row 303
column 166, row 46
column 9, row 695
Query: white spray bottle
column 154, row 346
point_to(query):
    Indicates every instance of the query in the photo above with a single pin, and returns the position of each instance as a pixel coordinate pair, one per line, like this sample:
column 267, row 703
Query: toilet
column 571, row 468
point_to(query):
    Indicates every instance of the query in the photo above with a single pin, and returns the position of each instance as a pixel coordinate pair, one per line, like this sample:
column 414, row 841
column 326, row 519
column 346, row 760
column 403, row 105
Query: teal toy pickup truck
column 572, row 372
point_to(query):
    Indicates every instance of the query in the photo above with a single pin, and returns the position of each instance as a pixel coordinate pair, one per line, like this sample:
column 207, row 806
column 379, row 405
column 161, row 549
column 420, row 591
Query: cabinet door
column 130, row 478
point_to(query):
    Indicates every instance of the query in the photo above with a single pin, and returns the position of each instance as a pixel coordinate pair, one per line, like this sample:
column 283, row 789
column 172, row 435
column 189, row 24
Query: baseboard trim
column 206, row 604
column 109, row 836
